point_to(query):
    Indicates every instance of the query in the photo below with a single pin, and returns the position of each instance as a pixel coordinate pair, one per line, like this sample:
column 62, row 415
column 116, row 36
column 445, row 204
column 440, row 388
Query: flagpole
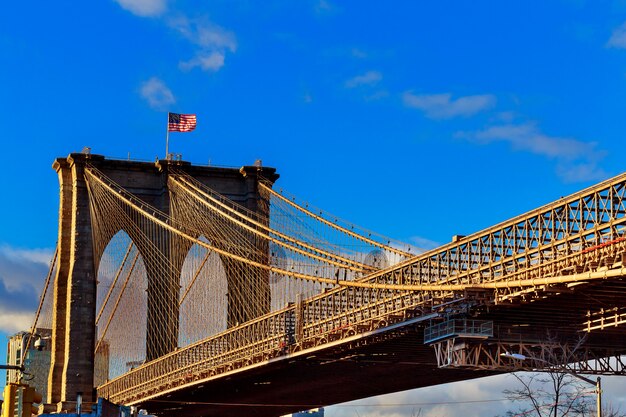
column 167, row 137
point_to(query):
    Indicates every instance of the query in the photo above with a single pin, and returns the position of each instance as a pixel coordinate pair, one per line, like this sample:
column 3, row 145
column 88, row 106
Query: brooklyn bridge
column 206, row 291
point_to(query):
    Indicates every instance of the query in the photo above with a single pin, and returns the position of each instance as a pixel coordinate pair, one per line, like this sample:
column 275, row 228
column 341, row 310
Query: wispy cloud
column 424, row 244
column 204, row 33
column 358, row 53
column 212, row 61
column 144, row 8
column 618, row 38
column 157, row 94
column 442, row 106
column 22, row 272
column 324, row 6
column 377, row 95
column 581, row 171
column 434, row 401
column 576, row 160
column 21, row 269
column 472, row 398
column 15, row 321
column 369, row 78
column 212, row 41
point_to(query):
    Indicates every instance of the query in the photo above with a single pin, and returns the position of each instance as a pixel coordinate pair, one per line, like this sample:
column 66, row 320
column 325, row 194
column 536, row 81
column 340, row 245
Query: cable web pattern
column 167, row 281
column 325, row 231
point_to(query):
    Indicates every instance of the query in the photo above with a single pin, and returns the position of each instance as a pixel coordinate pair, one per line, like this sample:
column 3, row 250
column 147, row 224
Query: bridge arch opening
column 121, row 309
column 283, row 289
column 377, row 259
column 203, row 295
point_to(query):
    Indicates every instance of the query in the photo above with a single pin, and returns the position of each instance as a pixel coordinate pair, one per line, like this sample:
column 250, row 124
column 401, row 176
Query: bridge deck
column 315, row 377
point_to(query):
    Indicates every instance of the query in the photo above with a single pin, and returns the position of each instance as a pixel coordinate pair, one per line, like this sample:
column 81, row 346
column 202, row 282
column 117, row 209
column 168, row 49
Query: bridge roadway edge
column 365, row 365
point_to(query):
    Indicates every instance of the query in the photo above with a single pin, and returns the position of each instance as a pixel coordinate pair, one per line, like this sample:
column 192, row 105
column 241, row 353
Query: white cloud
column 576, row 160
column 423, row 244
column 157, row 94
column 12, row 322
column 505, row 116
column 144, row 8
column 22, row 274
column 213, row 42
column 378, row 95
column 369, row 78
column 581, row 171
column 452, row 399
column 442, row 106
column 204, row 33
column 23, row 269
column 529, row 138
column 211, row 62
column 472, row 398
column 618, row 38
column 38, row 256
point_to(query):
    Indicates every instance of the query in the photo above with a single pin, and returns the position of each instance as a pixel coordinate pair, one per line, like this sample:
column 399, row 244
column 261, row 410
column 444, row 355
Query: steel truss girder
column 548, row 356
column 576, row 234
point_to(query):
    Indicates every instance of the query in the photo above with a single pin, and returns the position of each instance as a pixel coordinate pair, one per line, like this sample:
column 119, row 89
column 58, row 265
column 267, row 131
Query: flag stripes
column 181, row 122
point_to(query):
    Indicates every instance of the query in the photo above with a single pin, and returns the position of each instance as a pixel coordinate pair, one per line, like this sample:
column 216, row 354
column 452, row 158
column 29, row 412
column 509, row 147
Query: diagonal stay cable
column 117, row 275
column 117, row 302
column 195, row 276
column 249, row 216
column 325, row 256
column 41, row 301
column 335, row 226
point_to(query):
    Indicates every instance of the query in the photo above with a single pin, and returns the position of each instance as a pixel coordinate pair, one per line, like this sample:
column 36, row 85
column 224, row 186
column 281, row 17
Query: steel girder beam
column 548, row 356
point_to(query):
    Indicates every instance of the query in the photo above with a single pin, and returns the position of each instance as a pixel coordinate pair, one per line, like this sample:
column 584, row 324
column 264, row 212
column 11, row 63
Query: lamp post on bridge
column 596, row 383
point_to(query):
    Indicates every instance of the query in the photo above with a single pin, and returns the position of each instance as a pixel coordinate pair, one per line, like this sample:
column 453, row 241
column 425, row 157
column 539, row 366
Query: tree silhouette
column 554, row 394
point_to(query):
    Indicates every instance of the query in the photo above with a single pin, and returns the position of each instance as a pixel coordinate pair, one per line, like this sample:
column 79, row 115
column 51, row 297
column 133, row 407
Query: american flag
column 181, row 122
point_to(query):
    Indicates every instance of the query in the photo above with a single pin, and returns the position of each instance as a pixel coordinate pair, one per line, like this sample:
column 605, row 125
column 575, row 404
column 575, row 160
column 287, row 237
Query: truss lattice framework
column 495, row 355
column 579, row 233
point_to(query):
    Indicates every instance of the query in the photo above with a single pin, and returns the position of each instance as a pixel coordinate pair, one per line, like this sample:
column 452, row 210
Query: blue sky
column 418, row 120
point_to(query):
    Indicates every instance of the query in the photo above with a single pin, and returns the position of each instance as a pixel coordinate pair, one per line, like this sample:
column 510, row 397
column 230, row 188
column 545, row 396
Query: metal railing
column 462, row 328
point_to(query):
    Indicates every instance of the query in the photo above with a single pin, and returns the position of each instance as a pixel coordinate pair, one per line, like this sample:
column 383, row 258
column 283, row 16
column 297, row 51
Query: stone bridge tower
column 74, row 332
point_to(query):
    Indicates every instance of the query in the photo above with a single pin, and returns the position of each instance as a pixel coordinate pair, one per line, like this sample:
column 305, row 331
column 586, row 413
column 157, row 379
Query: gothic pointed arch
column 203, row 297
column 122, row 285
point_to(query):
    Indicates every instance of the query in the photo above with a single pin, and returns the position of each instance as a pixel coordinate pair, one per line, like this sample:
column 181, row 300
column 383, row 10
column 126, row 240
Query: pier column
column 74, row 291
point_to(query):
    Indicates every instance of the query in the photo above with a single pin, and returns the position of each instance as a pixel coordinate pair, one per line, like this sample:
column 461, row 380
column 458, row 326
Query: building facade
column 36, row 361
